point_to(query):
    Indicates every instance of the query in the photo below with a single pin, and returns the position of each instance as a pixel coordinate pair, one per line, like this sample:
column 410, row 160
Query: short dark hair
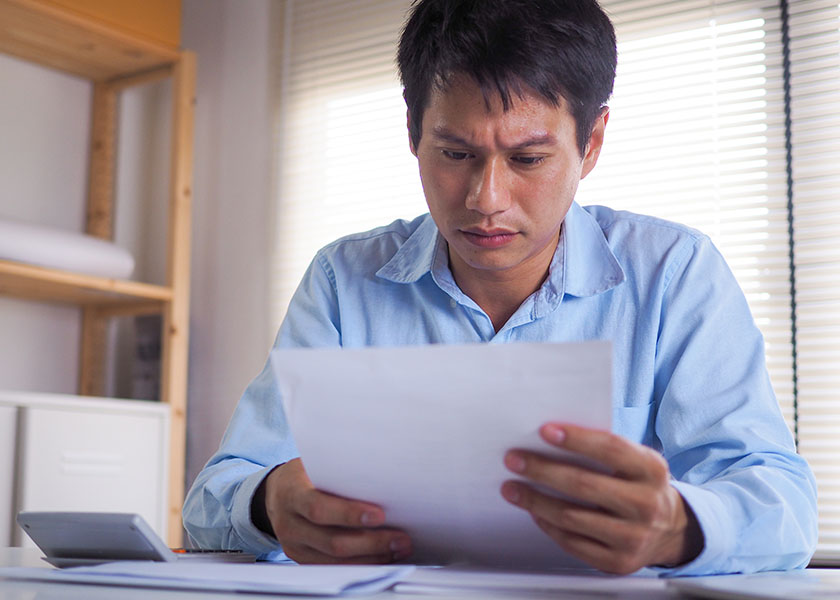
column 558, row 48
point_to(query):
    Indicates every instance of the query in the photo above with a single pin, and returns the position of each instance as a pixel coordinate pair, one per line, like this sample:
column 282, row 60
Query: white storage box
column 84, row 454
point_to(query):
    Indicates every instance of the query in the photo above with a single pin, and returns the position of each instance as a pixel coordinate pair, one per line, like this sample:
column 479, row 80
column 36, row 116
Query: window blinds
column 345, row 164
column 697, row 135
column 815, row 116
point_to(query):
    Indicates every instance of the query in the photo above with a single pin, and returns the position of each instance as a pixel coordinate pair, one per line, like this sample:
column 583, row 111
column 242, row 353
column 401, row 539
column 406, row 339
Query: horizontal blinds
column 344, row 161
column 697, row 135
column 815, row 113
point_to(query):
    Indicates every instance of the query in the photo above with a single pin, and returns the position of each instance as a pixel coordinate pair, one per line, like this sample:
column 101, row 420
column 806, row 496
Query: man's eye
column 456, row 155
column 528, row 160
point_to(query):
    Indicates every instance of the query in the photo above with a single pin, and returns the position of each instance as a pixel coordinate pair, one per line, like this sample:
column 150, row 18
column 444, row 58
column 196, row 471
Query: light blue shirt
column 689, row 374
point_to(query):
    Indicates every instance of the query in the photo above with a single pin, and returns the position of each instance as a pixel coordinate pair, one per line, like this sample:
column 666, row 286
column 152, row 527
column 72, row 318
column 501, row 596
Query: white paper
column 437, row 581
column 810, row 584
column 422, row 431
column 314, row 580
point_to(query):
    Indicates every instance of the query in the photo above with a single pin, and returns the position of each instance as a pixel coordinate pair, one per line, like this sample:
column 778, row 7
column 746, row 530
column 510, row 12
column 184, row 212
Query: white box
column 90, row 454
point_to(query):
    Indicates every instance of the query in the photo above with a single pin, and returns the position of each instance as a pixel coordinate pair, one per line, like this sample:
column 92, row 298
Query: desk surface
column 32, row 590
column 633, row 588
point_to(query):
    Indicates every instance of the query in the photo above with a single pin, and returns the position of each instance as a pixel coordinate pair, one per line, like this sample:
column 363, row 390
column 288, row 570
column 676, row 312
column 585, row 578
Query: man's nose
column 489, row 189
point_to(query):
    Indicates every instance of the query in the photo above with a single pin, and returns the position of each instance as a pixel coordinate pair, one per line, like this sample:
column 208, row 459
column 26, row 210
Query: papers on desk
column 263, row 578
column 422, row 431
column 644, row 584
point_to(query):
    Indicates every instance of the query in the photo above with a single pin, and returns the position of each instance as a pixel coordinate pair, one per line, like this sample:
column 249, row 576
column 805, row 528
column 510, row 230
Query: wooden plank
column 156, row 20
column 94, row 347
column 176, row 316
column 151, row 76
column 52, row 285
column 102, row 166
column 63, row 40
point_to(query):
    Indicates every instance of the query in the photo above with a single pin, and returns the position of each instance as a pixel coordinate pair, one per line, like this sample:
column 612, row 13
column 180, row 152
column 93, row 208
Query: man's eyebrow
column 543, row 139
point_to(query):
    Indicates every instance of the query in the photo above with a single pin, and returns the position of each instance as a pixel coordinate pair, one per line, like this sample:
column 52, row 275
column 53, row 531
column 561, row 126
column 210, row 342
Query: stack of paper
column 266, row 578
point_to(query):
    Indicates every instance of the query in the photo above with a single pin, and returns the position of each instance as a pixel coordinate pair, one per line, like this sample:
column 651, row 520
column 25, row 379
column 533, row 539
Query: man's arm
column 718, row 428
column 298, row 521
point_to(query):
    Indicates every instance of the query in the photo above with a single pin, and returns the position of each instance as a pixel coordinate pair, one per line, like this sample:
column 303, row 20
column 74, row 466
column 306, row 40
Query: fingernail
column 554, row 434
column 400, row 547
column 515, row 463
column 511, row 493
column 371, row 519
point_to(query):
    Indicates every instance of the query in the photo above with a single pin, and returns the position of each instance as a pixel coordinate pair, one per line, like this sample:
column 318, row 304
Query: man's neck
column 501, row 293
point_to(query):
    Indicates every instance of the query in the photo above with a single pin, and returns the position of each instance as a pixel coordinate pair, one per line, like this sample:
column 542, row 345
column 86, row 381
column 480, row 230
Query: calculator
column 70, row 539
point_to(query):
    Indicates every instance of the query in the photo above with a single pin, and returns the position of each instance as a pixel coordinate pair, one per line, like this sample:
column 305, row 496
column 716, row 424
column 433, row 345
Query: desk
column 632, row 588
column 30, row 590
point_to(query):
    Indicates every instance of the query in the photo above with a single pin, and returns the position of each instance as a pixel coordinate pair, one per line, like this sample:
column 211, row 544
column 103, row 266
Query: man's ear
column 596, row 142
column 408, row 126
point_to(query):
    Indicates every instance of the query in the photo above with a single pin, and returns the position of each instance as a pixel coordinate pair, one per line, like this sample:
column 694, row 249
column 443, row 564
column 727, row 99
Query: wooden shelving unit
column 113, row 59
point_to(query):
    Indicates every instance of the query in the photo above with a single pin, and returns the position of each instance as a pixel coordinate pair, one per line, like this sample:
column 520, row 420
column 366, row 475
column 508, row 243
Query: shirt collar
column 416, row 256
column 590, row 266
column 583, row 264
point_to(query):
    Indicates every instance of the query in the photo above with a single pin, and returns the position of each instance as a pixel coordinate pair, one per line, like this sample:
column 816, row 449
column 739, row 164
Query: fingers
column 614, row 495
column 315, row 543
column 325, row 509
column 316, row 527
column 592, row 551
column 568, row 516
column 625, row 458
column 618, row 521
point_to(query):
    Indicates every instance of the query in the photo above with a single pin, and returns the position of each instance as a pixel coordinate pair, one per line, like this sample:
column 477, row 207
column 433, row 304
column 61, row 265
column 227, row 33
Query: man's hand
column 316, row 527
column 634, row 517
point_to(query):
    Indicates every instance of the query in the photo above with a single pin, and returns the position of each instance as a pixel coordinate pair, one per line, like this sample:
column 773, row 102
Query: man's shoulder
column 623, row 222
column 373, row 248
column 648, row 247
column 397, row 231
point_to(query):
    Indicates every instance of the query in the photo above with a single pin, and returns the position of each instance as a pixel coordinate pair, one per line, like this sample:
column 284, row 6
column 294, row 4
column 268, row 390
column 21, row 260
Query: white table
column 32, row 590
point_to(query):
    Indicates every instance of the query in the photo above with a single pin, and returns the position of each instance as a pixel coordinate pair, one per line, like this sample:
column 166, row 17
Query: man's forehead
column 497, row 97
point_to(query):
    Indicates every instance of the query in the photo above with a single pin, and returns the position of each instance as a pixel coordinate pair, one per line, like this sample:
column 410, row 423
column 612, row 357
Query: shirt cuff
column 253, row 539
column 717, row 529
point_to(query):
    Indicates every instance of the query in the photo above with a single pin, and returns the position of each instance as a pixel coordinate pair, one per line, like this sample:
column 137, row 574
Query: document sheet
column 422, row 431
column 263, row 578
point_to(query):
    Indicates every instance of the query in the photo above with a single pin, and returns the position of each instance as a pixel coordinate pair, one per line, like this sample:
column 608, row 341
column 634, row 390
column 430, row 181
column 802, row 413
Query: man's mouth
column 488, row 238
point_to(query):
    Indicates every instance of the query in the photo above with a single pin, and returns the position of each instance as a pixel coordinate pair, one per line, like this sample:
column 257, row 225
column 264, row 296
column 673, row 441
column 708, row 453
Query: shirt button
column 452, row 303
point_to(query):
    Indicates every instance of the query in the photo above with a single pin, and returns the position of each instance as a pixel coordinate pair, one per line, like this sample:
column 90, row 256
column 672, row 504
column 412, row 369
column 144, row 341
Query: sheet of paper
column 221, row 577
column 437, row 581
column 422, row 431
column 804, row 584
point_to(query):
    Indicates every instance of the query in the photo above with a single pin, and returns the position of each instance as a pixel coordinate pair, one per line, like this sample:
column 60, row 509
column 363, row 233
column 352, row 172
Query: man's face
column 499, row 184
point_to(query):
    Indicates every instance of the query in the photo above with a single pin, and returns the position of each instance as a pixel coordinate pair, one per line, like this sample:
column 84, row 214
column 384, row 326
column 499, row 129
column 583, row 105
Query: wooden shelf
column 113, row 58
column 49, row 36
column 52, row 285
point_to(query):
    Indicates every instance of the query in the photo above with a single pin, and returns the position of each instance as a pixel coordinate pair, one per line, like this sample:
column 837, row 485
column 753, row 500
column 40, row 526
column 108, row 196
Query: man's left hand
column 629, row 518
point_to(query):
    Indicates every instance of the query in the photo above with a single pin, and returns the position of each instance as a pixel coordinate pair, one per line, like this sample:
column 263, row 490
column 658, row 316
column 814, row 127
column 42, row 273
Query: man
column 506, row 114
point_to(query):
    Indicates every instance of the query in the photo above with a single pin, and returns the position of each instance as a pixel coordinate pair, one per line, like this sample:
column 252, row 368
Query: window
column 726, row 116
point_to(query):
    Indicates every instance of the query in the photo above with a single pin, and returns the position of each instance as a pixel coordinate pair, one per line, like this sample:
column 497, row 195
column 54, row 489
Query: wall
column 45, row 119
column 229, row 334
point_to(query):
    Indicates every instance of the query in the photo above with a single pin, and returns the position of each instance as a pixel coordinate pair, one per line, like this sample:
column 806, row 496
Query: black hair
column 558, row 48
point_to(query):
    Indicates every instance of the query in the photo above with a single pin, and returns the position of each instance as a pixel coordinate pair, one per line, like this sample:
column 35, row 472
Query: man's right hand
column 316, row 527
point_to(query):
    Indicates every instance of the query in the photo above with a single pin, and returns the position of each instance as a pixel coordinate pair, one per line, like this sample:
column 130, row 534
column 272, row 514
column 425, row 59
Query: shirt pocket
column 635, row 423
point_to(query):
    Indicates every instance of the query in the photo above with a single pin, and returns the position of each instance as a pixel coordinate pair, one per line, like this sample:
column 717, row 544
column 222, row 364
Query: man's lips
column 489, row 238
